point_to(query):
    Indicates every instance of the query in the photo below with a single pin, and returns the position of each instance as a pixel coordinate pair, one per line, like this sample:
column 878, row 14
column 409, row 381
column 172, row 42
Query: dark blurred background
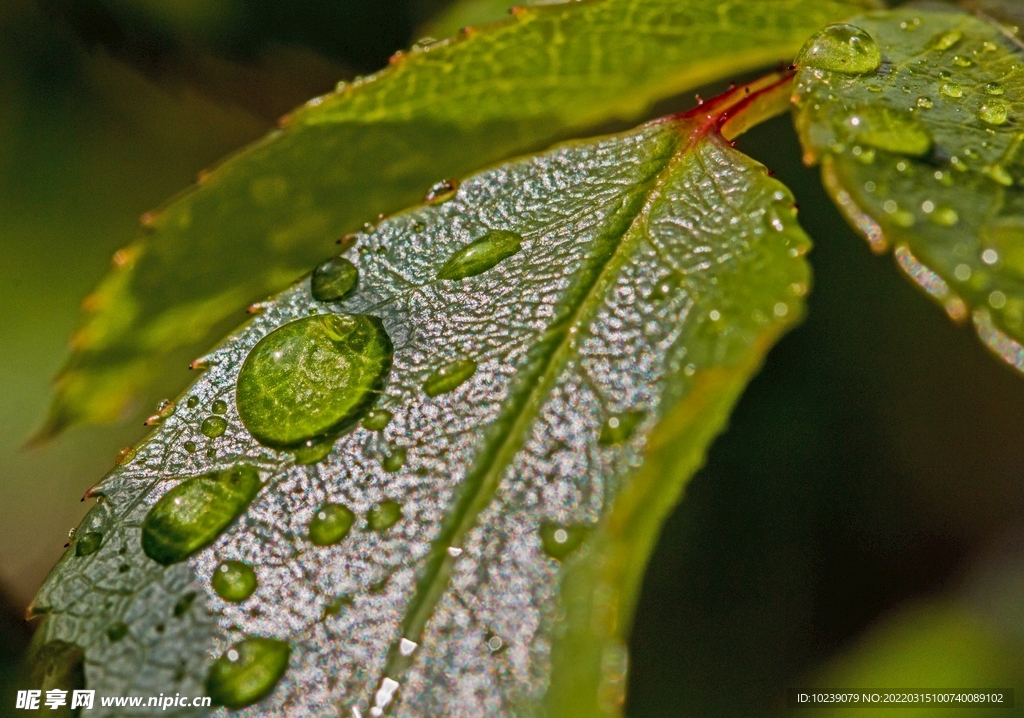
column 859, row 524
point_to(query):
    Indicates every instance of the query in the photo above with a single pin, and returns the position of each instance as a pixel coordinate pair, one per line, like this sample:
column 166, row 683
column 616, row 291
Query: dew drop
column 313, row 378
column 997, row 300
column 990, row 256
column 449, row 377
column 925, row 103
column 994, row 112
column 213, row 426
column 247, row 672
column 945, row 40
column 441, row 192
column 962, row 61
column 383, row 515
column 377, row 419
column 952, row 89
column 313, row 452
column 219, row 406
column 994, row 89
column 117, row 631
column 394, row 460
column 330, row 524
column 124, row 456
column 333, row 280
column 193, row 514
column 88, row 543
column 841, row 48
column 192, row 402
column 190, row 446
column 889, row 130
column 618, row 428
column 234, row 581
column 481, row 254
column 664, row 288
column 560, row 540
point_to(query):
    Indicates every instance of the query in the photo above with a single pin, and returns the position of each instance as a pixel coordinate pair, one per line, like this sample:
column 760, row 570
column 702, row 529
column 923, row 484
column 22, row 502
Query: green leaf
column 491, row 532
column 923, row 153
column 264, row 217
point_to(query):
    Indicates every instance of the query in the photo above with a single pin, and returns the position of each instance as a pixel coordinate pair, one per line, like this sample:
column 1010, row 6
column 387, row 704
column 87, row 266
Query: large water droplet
column 88, row 543
column 330, row 524
column 890, row 130
column 841, row 48
column 234, row 580
column 213, row 426
column 383, row 515
column 952, row 89
column 994, row 112
column 481, row 254
column 247, row 672
column 925, row 103
column 195, row 512
column 333, row 280
column 313, row 378
column 561, row 540
column 441, row 192
column 377, row 419
column 219, row 406
column 994, row 88
column 449, row 377
column 620, row 427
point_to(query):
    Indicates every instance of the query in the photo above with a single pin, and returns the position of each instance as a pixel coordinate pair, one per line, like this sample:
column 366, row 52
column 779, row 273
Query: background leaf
column 923, row 153
column 495, row 565
column 264, row 217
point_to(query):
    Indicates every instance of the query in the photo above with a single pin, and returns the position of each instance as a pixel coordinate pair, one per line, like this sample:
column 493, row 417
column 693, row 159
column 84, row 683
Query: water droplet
column 88, row 543
column 377, row 419
column 618, row 428
column 194, row 513
column 962, row 272
column 330, row 524
column 494, row 643
column 407, row 647
column 190, row 447
column 997, row 300
column 990, row 256
column 394, row 460
column 124, row 456
column 925, row 102
column 334, row 606
column 945, row 40
column 449, row 377
column 313, row 378
column 952, row 89
column 481, row 254
column 998, row 173
column 219, row 406
column 183, row 604
column 560, row 540
column 994, row 112
column 889, row 130
column 994, row 88
column 234, row 581
column 841, row 48
column 441, row 192
column 333, row 280
column 117, row 631
column 247, row 672
column 166, row 408
column 944, row 216
column 962, row 61
column 214, row 426
column 193, row 402
column 383, row 515
column 665, row 287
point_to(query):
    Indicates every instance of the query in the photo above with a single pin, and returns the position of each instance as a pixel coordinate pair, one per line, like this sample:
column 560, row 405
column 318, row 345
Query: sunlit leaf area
column 583, row 359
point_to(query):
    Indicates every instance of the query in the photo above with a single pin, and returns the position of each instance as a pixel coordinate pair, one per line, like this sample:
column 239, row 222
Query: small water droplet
column 664, row 288
column 841, row 48
column 377, row 419
column 481, row 254
column 494, row 643
column 618, row 428
column 165, row 409
column 313, row 378
column 333, row 280
column 330, row 524
column 441, row 192
column 962, row 61
column 313, row 452
column 944, row 216
column 334, row 606
column 945, row 40
column 117, row 631
column 193, row 514
column 190, row 446
column 561, row 540
column 962, row 272
column 395, row 460
column 997, row 300
column 889, row 130
column 219, row 406
column 990, row 256
column 994, row 112
column 994, row 88
column 449, row 377
column 213, row 426
column 952, row 89
column 124, row 456
column 234, row 581
column 192, row 402
column 247, row 672
column 88, row 543
column 184, row 603
column 383, row 515
column 925, row 102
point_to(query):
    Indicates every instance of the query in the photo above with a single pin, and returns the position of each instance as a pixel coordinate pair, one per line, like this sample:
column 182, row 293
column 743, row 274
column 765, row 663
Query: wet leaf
column 925, row 155
column 494, row 570
column 264, row 217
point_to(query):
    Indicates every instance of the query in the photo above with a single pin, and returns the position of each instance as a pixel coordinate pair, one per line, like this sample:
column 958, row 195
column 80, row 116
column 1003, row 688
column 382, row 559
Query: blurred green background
column 859, row 525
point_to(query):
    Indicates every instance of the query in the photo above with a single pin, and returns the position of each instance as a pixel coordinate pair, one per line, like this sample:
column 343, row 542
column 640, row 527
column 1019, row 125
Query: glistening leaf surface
column 264, row 217
column 493, row 569
column 925, row 153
